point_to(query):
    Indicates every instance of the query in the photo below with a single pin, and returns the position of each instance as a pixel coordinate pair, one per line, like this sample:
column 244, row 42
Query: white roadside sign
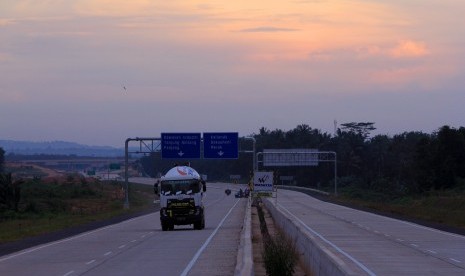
column 263, row 182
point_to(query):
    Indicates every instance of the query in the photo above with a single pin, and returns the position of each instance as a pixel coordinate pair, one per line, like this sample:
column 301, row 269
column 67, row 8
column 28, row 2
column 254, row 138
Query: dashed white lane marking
column 90, row 262
column 72, row 238
column 401, row 240
column 362, row 266
column 122, row 246
column 199, row 252
column 108, row 253
column 133, row 240
column 410, row 224
column 143, row 236
column 407, row 223
column 69, row 273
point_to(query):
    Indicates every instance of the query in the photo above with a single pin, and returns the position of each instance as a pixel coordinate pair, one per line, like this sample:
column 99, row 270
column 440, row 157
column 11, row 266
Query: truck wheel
column 171, row 227
column 203, row 223
column 164, row 226
column 198, row 225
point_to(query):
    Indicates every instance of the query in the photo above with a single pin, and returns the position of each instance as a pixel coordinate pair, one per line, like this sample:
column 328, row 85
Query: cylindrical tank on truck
column 181, row 192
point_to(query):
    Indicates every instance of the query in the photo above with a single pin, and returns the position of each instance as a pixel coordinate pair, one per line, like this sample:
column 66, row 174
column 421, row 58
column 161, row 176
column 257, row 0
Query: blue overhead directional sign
column 180, row 145
column 222, row 145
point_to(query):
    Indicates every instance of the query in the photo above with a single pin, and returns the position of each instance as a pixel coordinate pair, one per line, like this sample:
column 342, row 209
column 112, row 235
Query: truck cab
column 181, row 192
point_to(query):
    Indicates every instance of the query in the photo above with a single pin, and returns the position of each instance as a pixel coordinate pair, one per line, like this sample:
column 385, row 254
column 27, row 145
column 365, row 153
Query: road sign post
column 263, row 183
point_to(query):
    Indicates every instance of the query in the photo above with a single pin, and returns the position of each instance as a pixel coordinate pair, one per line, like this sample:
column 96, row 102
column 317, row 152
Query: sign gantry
column 216, row 145
column 297, row 157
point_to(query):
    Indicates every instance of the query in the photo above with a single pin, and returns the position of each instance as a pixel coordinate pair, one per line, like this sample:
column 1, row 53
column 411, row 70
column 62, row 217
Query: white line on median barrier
column 366, row 269
column 199, row 252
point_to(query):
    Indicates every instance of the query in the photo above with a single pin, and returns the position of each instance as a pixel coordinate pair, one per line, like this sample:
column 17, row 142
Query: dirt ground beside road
column 257, row 243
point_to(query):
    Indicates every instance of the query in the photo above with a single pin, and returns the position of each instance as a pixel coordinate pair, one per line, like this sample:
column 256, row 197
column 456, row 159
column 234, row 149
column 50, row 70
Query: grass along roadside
column 101, row 201
column 441, row 209
column 270, row 248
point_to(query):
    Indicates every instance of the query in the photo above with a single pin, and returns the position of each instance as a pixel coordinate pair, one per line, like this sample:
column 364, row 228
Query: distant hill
column 58, row 148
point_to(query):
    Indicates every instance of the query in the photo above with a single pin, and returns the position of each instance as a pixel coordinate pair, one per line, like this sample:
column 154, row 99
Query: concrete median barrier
column 244, row 265
column 319, row 257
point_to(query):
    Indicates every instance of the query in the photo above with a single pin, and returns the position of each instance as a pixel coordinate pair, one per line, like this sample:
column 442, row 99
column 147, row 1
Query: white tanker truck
column 181, row 192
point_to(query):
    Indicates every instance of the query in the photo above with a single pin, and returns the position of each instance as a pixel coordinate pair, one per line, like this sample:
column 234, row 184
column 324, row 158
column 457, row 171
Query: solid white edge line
column 26, row 251
column 30, row 250
column 90, row 262
column 404, row 222
column 199, row 252
column 398, row 220
column 362, row 266
column 69, row 273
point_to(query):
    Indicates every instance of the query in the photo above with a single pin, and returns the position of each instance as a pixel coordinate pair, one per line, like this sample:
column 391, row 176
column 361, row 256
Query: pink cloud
column 409, row 48
column 399, row 75
column 6, row 22
column 427, row 76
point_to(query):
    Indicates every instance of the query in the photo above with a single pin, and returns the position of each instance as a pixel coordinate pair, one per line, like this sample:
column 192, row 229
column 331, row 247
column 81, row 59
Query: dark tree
column 10, row 192
column 362, row 128
column 2, row 160
column 389, row 167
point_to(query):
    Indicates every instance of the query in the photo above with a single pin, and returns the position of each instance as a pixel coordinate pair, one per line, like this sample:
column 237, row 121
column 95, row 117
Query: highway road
column 363, row 243
column 139, row 247
column 370, row 244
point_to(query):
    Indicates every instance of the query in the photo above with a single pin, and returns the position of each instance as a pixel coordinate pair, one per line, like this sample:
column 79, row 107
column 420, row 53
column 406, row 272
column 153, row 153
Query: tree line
column 409, row 163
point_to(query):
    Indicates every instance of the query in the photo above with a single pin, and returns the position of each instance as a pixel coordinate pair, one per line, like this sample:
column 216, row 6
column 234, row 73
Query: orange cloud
column 114, row 7
column 5, row 22
column 398, row 75
column 409, row 48
column 3, row 57
column 426, row 76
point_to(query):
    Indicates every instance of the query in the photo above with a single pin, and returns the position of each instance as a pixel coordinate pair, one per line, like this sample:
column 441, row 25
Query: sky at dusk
column 99, row 71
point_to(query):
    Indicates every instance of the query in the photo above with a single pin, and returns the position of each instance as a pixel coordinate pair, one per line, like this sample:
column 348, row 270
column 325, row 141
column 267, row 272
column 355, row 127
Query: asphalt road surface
column 373, row 244
column 139, row 247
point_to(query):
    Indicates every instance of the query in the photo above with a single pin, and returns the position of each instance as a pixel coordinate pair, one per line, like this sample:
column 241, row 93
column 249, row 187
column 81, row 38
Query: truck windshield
column 176, row 187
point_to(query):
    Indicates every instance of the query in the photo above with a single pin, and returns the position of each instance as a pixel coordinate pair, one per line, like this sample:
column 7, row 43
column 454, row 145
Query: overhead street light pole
column 146, row 145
